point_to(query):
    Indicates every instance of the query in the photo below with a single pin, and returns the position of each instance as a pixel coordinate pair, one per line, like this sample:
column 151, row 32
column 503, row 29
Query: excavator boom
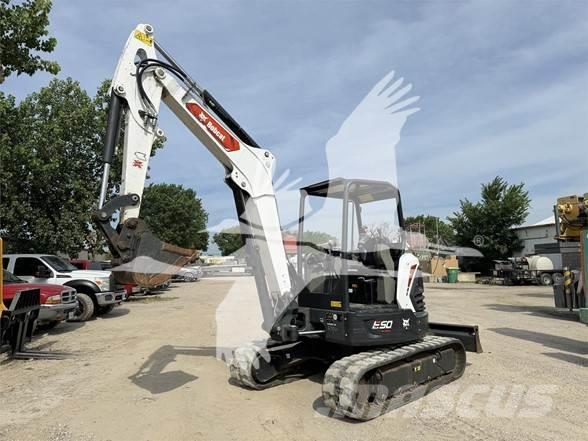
column 140, row 84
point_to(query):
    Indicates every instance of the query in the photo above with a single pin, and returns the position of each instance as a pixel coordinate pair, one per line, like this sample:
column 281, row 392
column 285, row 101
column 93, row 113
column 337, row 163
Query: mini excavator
column 355, row 310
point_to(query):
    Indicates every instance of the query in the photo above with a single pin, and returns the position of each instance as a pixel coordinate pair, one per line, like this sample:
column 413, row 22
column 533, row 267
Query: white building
column 539, row 233
column 539, row 238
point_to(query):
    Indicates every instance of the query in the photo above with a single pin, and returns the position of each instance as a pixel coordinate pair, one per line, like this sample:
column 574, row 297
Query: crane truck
column 362, row 317
column 571, row 223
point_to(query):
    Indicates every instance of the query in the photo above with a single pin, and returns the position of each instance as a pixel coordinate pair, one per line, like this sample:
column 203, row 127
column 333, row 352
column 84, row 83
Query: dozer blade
column 139, row 257
column 469, row 335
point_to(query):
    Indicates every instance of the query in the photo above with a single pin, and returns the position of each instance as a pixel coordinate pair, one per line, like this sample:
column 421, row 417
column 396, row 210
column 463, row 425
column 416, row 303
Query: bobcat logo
column 406, row 323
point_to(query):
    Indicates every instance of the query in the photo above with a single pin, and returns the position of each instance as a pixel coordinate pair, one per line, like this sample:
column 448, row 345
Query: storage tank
column 540, row 263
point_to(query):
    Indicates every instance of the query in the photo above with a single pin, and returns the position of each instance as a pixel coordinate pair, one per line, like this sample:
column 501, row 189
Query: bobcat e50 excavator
column 361, row 314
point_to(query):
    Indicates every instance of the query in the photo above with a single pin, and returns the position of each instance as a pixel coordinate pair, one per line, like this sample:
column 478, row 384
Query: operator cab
column 349, row 250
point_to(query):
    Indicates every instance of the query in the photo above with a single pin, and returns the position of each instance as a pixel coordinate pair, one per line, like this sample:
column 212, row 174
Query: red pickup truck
column 85, row 264
column 57, row 301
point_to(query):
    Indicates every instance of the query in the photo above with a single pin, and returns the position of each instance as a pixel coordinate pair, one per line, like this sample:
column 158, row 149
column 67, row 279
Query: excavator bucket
column 152, row 261
column 139, row 257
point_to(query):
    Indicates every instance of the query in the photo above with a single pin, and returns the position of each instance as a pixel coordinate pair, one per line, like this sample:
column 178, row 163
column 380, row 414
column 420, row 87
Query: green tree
column 228, row 240
column 487, row 224
column 317, row 237
column 175, row 215
column 50, row 156
column 430, row 224
column 23, row 34
column 50, row 168
column 8, row 200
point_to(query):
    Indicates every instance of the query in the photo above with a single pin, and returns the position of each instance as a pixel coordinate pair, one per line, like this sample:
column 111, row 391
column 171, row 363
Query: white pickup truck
column 97, row 292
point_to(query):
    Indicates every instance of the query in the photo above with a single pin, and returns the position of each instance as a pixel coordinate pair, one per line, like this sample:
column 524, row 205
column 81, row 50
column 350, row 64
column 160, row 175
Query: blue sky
column 503, row 86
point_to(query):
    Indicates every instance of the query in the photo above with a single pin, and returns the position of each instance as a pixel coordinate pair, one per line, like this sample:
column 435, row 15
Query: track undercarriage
column 360, row 384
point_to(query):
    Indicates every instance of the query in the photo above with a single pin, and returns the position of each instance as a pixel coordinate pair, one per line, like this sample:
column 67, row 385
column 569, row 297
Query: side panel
column 369, row 328
column 407, row 272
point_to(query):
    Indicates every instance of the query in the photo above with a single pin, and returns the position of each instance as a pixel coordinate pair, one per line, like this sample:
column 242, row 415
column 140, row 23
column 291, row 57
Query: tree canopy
column 487, row 224
column 176, row 215
column 316, row 237
column 229, row 240
column 430, row 224
column 50, row 168
column 50, row 153
column 23, row 34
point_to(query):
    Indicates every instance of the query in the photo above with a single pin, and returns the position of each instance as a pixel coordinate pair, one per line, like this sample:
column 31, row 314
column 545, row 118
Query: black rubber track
column 342, row 387
column 342, row 383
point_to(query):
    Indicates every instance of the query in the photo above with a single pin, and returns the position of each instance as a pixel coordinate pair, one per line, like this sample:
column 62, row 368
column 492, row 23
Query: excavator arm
column 146, row 76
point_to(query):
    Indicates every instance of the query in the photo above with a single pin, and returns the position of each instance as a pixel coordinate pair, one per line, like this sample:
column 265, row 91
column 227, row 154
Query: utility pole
column 437, row 225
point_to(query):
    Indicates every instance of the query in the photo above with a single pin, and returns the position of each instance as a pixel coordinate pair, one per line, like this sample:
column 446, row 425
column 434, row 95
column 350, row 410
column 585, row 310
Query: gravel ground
column 149, row 371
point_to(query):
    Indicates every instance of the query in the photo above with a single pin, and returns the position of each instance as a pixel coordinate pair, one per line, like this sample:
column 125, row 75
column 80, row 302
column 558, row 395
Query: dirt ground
column 149, row 371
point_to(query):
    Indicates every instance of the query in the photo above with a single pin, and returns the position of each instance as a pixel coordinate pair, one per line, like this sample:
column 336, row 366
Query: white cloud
column 502, row 85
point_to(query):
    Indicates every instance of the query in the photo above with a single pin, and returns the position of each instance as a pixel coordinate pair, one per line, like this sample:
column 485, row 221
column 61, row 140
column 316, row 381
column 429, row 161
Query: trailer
column 536, row 270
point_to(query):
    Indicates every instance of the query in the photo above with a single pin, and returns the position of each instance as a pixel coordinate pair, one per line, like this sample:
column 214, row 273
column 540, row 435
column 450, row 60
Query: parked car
column 97, row 292
column 85, row 264
column 131, row 289
column 188, row 274
column 57, row 301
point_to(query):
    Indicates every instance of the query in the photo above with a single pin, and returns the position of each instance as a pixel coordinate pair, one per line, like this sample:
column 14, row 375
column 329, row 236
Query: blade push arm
column 141, row 82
